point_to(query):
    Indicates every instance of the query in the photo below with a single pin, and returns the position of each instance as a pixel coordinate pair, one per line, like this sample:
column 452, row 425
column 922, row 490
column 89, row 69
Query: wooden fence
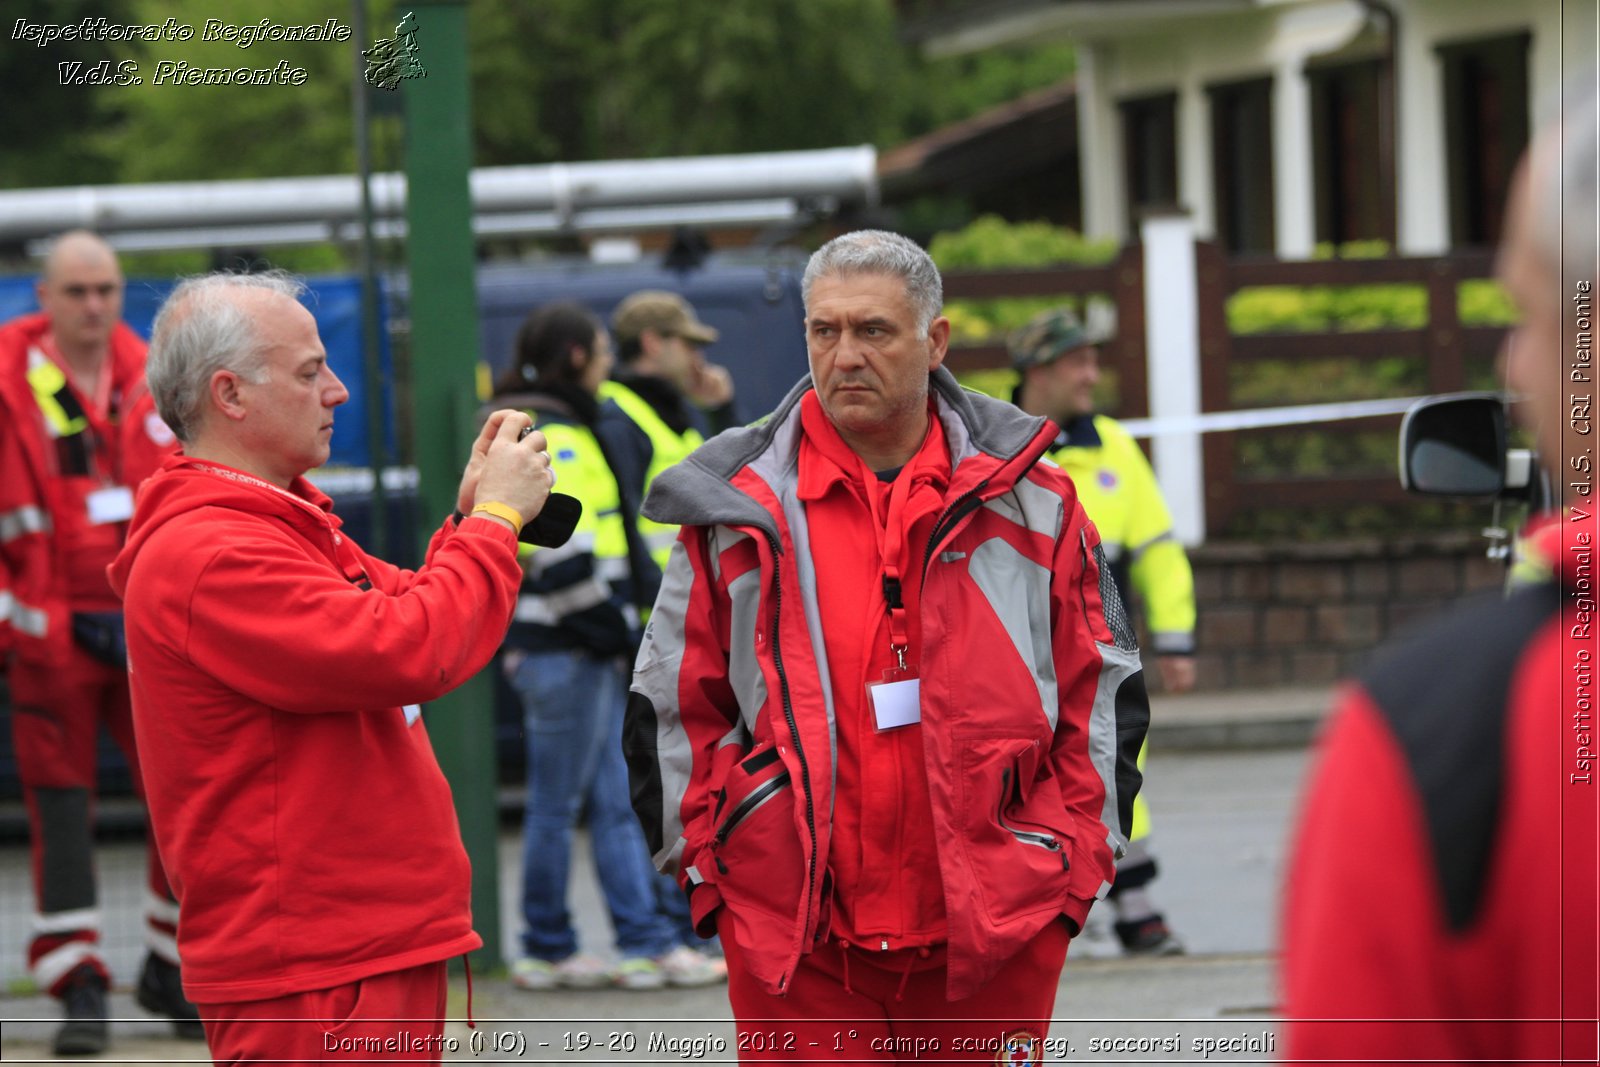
column 1444, row 347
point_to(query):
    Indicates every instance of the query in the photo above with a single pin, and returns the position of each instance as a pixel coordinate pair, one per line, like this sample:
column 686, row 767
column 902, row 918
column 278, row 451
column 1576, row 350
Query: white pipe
column 845, row 174
column 602, row 220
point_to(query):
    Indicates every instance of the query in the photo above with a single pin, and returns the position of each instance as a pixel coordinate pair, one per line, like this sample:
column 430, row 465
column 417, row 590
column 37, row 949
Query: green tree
column 538, row 71
column 757, row 75
column 953, row 88
column 178, row 132
column 611, row 79
column 48, row 128
column 557, row 80
column 561, row 80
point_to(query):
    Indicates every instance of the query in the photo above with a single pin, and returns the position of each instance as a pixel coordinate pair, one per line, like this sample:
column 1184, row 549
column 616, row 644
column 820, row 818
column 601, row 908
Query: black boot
column 161, row 992
column 83, row 1001
column 1149, row 936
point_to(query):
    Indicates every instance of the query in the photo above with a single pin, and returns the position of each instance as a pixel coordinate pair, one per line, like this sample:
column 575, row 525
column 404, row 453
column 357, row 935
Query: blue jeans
column 674, row 904
column 572, row 705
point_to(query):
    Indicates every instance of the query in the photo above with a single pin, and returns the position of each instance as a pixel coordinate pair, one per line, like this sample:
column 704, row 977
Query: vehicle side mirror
column 1455, row 445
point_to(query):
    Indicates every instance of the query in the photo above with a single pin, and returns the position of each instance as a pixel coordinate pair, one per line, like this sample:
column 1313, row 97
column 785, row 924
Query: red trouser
column 398, row 1017
column 56, row 715
column 853, row 1005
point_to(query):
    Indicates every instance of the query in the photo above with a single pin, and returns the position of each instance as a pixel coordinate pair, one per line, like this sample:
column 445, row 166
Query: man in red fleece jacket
column 276, row 670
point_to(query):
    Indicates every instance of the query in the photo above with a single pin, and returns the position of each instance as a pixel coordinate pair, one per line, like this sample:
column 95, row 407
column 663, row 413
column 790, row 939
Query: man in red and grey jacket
column 884, row 721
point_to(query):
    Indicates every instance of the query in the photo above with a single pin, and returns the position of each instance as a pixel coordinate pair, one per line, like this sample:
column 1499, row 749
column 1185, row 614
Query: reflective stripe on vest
column 583, row 473
column 63, row 415
column 548, row 608
column 666, row 449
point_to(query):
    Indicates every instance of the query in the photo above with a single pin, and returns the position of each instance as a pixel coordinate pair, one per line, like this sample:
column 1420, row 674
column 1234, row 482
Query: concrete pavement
column 1235, row 719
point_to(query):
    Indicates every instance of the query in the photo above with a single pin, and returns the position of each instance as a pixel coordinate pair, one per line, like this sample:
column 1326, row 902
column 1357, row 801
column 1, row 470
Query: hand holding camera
column 509, row 466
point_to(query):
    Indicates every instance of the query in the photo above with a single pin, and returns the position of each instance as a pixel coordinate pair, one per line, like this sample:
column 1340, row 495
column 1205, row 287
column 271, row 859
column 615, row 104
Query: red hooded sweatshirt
column 307, row 829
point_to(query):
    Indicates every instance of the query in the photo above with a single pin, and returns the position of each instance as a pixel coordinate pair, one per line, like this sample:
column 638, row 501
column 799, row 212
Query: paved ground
column 1225, row 774
column 1110, row 1002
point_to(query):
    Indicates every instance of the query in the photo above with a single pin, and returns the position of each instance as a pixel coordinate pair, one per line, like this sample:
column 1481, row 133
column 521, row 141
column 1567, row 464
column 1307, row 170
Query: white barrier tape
column 1256, row 418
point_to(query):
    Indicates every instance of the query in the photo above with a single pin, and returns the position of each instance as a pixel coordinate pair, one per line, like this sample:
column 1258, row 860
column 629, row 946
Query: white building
column 1281, row 124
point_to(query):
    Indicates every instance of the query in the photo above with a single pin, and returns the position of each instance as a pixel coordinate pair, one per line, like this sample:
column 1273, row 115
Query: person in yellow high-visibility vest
column 567, row 656
column 1059, row 364
column 665, row 399
column 672, row 397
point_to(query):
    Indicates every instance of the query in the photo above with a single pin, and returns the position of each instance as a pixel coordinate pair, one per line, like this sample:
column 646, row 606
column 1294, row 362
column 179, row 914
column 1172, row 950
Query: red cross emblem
column 1019, row 1049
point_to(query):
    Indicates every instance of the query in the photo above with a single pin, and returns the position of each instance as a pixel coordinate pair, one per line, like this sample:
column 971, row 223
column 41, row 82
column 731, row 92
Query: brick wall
column 1307, row 614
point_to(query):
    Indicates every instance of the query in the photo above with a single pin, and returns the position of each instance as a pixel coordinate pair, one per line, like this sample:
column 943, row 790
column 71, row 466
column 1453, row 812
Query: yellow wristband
column 501, row 511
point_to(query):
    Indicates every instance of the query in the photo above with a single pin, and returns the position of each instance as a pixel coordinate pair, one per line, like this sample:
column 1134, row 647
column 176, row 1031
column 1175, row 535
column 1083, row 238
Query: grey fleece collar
column 696, row 492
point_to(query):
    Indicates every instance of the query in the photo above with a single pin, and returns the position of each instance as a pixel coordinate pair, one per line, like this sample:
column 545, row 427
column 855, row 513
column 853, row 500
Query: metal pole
column 444, row 341
column 377, row 454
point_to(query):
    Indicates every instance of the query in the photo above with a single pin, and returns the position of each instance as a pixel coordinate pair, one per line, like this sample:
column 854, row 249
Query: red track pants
column 853, row 1005
column 396, row 1017
column 56, row 715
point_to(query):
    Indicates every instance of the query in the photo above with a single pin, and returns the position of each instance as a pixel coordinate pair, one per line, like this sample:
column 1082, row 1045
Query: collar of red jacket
column 839, row 463
column 301, row 492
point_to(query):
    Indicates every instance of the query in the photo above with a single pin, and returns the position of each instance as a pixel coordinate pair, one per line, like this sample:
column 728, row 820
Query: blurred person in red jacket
column 1441, row 902
column 277, row 672
column 78, row 433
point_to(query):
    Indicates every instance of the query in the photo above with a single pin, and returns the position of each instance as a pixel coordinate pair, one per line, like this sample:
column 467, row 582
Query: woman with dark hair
column 568, row 656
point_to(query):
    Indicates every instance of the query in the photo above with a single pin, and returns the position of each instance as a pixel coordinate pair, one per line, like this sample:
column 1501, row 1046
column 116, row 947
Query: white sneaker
column 639, row 972
column 685, row 967
column 578, row 971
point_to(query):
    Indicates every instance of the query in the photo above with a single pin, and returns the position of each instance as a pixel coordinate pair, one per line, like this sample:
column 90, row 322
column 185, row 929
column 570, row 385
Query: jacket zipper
column 794, row 729
column 1027, row 837
column 748, row 805
column 965, row 503
column 953, row 515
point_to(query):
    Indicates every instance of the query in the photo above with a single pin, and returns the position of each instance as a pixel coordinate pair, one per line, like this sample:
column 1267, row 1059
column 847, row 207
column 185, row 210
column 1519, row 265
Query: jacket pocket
column 759, row 864
column 1019, row 850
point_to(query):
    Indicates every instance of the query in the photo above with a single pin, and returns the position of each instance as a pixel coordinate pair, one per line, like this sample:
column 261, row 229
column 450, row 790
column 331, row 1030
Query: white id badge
column 897, row 700
column 413, row 713
column 111, row 504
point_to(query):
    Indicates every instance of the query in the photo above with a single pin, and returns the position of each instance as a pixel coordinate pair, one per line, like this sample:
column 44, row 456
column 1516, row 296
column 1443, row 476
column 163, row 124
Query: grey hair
column 880, row 252
column 1563, row 179
column 202, row 329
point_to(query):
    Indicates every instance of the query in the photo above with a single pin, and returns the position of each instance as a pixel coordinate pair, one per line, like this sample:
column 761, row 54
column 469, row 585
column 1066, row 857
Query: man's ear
column 650, row 342
column 938, row 342
column 225, row 395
